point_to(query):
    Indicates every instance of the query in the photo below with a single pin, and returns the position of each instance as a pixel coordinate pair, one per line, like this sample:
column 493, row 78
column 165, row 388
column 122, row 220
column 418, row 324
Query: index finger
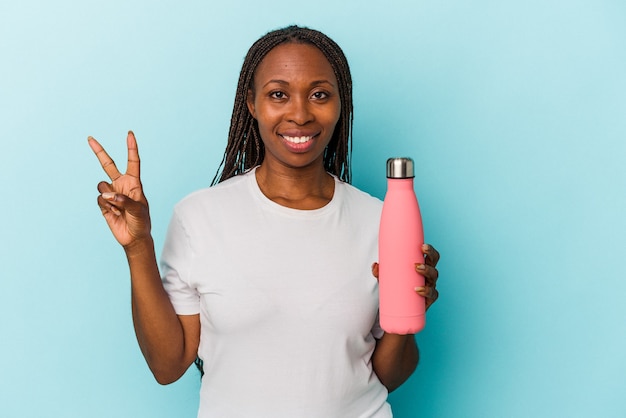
column 432, row 255
column 106, row 161
column 133, row 165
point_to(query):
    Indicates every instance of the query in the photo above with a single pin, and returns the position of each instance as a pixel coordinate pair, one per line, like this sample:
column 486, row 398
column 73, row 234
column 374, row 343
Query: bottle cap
column 400, row 168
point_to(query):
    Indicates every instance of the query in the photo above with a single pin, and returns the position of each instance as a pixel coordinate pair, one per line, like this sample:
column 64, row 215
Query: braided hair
column 245, row 148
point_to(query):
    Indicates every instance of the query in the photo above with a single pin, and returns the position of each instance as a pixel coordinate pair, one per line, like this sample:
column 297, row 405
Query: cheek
column 335, row 115
column 266, row 111
column 265, row 118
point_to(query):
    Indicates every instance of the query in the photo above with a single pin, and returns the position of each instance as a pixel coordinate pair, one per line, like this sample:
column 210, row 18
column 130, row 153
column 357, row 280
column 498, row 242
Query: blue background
column 515, row 112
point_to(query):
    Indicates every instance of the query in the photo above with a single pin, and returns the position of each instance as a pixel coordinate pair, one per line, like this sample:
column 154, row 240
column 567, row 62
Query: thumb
column 123, row 203
column 375, row 270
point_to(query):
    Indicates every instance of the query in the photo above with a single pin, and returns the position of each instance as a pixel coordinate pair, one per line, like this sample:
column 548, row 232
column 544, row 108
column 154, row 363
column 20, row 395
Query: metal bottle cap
column 400, row 168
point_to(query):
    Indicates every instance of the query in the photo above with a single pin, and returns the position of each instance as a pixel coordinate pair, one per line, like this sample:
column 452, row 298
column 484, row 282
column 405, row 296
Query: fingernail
column 115, row 210
column 108, row 196
column 420, row 267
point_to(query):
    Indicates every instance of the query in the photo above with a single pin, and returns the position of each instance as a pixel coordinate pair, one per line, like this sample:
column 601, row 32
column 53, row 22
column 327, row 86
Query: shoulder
column 233, row 191
column 359, row 204
column 358, row 196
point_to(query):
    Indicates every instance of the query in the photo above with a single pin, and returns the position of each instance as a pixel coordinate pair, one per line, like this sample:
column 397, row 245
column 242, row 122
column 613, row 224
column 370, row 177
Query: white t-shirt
column 287, row 301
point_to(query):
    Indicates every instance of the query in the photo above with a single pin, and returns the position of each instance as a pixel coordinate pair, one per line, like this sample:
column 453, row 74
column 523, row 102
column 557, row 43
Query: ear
column 250, row 103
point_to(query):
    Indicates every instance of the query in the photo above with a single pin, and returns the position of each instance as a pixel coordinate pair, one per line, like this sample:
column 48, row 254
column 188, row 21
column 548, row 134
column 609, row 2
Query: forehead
column 295, row 61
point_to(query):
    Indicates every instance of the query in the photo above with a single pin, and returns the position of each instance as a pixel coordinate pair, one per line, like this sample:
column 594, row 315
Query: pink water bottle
column 401, row 235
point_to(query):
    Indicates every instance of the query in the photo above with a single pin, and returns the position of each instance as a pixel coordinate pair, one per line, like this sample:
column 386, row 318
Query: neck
column 302, row 188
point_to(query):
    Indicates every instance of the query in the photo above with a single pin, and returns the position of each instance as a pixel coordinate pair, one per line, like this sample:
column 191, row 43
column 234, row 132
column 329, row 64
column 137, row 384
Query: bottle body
column 401, row 236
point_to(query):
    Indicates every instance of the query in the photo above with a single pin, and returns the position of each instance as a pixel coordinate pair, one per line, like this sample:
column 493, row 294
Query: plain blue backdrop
column 515, row 112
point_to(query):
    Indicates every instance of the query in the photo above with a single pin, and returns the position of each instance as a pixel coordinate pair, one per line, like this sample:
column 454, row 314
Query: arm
column 395, row 356
column 168, row 342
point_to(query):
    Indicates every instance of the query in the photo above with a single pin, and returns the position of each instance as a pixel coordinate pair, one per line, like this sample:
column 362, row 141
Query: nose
column 299, row 111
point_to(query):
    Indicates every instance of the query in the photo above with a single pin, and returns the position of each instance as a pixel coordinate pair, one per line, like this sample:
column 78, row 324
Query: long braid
column 245, row 148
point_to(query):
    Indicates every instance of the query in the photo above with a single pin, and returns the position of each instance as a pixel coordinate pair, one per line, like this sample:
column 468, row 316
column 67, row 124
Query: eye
column 279, row 95
column 320, row 95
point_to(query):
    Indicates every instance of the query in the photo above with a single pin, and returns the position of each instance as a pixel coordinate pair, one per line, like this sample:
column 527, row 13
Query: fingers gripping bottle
column 401, row 236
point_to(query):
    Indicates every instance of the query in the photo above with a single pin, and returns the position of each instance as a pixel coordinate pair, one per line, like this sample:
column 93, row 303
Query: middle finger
column 430, row 273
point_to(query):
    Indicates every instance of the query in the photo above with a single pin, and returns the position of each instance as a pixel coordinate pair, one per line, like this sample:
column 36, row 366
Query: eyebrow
column 313, row 83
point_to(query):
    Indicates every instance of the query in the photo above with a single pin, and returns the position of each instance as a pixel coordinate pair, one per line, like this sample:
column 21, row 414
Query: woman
column 266, row 276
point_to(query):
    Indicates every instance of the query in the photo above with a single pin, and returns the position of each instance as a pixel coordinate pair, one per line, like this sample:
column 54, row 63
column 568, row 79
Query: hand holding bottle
column 430, row 273
column 429, row 270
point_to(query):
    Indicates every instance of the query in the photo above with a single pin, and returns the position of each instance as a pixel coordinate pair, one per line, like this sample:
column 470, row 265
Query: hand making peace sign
column 122, row 201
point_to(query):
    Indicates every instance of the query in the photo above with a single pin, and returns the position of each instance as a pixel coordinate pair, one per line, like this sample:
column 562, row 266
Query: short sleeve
column 176, row 259
column 377, row 331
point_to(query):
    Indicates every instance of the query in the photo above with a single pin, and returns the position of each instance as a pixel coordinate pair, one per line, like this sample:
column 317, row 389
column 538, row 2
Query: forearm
column 157, row 327
column 395, row 359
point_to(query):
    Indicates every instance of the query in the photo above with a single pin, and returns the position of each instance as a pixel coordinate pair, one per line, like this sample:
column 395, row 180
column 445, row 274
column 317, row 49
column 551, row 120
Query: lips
column 299, row 141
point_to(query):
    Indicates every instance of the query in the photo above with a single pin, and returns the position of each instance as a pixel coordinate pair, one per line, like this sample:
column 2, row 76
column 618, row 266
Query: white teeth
column 297, row 139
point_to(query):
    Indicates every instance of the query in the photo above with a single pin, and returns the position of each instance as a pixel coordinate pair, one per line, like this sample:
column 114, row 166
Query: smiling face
column 295, row 101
